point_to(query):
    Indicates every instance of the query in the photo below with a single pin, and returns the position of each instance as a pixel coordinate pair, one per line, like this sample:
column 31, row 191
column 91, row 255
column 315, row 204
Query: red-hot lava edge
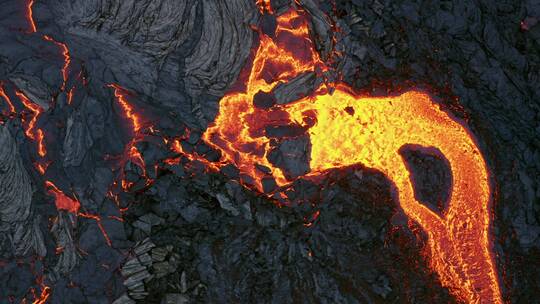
column 343, row 128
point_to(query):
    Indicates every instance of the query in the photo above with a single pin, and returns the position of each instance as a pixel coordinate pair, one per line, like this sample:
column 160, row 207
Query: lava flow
column 346, row 129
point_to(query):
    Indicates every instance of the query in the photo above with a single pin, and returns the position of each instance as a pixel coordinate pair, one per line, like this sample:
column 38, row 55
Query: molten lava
column 44, row 296
column 264, row 6
column 30, row 16
column 62, row 201
column 33, row 133
column 238, row 130
column 35, row 109
column 346, row 129
column 70, row 95
column 100, row 225
column 67, row 61
column 7, row 100
column 121, row 96
column 131, row 152
column 41, row 146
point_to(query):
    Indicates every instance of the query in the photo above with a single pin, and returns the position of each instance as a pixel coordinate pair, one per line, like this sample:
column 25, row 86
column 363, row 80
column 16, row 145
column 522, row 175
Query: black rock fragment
column 264, row 100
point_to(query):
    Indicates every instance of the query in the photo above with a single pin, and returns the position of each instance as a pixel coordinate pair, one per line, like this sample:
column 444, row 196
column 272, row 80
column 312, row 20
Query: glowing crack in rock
column 6, row 98
column 121, row 96
column 62, row 201
column 131, row 153
column 67, row 62
column 30, row 124
column 99, row 224
column 62, row 46
column 43, row 297
column 42, row 151
column 30, row 130
column 346, row 129
column 30, row 17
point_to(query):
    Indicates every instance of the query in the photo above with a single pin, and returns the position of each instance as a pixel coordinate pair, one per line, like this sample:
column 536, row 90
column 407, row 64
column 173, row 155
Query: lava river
column 346, row 129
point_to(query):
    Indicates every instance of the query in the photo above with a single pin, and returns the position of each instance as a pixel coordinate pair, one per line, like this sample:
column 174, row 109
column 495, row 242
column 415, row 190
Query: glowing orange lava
column 120, row 94
column 264, row 6
column 36, row 110
column 100, row 226
column 346, row 129
column 62, row 46
column 7, row 99
column 62, row 201
column 42, row 167
column 44, row 296
column 41, row 146
column 238, row 130
column 30, row 16
column 130, row 152
column 70, row 95
column 33, row 133
column 67, row 60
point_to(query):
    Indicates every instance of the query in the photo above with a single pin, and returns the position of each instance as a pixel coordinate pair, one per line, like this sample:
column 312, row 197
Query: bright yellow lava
column 458, row 240
column 350, row 129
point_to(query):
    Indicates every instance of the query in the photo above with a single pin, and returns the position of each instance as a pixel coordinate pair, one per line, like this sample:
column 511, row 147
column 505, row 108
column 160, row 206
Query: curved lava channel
column 346, row 129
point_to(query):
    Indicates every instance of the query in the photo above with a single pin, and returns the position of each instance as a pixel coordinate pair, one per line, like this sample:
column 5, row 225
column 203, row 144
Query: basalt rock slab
column 18, row 220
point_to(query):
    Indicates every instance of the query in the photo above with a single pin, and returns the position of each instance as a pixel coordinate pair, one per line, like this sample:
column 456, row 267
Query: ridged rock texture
column 19, row 224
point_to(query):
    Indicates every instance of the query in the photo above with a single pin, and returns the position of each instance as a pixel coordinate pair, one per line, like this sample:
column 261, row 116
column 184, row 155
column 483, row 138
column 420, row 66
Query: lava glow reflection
column 346, row 129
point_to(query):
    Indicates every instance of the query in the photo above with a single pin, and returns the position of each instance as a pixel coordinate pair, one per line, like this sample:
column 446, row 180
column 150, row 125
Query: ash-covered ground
column 96, row 205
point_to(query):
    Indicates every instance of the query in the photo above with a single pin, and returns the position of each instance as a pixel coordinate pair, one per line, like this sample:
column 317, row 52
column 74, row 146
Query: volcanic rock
column 296, row 88
column 292, row 156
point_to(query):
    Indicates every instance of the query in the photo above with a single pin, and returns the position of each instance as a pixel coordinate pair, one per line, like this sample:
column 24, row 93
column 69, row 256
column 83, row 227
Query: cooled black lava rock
column 431, row 176
column 264, row 100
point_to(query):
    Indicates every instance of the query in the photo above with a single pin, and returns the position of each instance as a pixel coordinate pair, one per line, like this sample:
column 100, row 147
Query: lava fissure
column 35, row 109
column 44, row 296
column 99, row 224
column 121, row 96
column 8, row 101
column 30, row 16
column 67, row 62
column 131, row 153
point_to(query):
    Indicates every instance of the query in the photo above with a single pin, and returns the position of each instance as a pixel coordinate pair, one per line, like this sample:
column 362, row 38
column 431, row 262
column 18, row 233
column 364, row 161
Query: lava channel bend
column 346, row 129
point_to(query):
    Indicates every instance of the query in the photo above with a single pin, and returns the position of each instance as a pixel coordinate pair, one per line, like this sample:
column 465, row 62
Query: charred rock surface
column 107, row 190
